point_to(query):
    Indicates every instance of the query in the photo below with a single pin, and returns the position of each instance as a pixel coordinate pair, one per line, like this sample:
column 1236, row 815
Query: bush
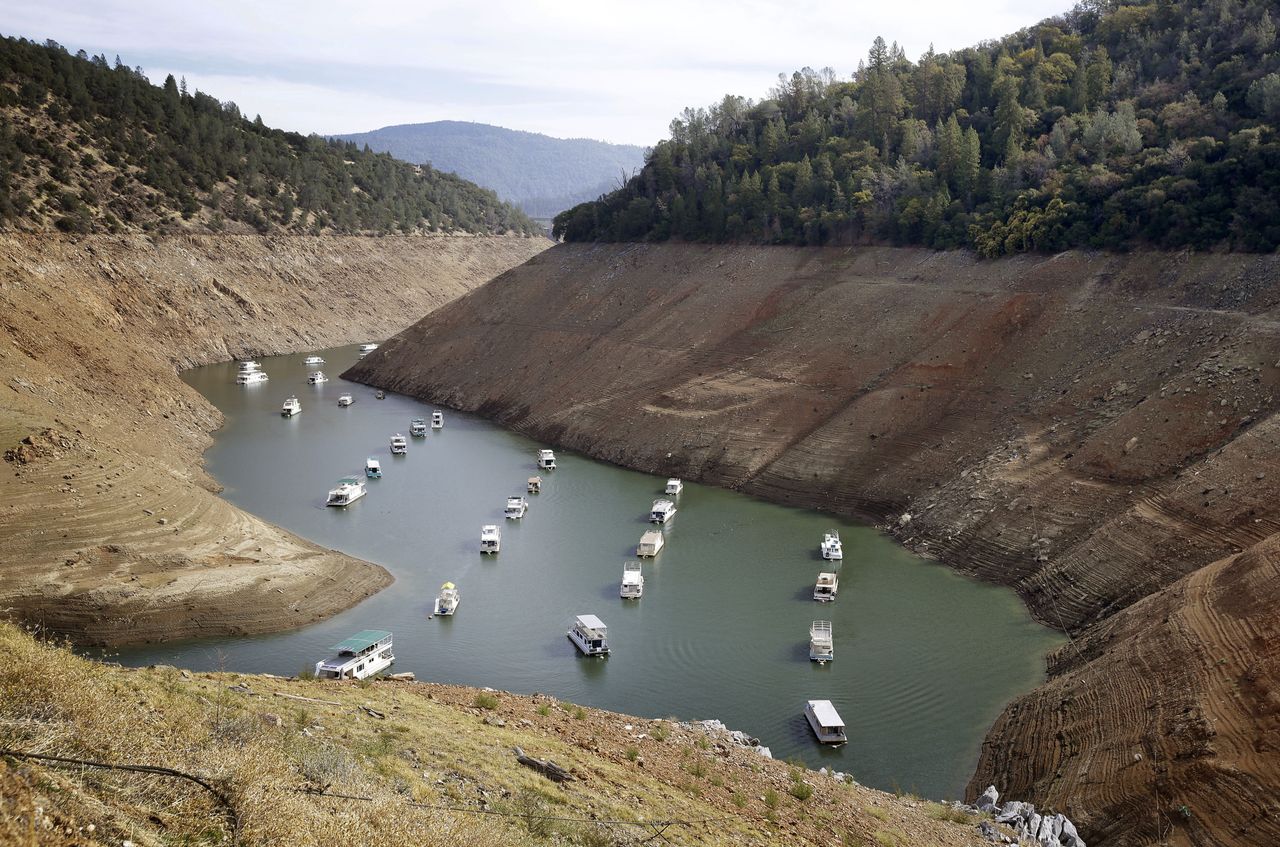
column 485, row 700
column 801, row 791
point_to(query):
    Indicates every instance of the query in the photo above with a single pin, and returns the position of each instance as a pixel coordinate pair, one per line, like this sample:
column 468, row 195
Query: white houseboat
column 516, row 507
column 826, row 721
column 249, row 366
column 588, row 634
column 821, row 645
column 447, row 600
column 348, row 490
column 316, row 377
column 437, row 419
column 251, row 377
column 418, row 427
column 535, row 485
column 674, row 486
column 824, row 590
column 632, row 581
column 313, row 360
column 650, row 543
column 372, row 468
column 345, row 399
column 546, row 460
column 490, row 538
column 291, row 407
column 831, row 549
column 662, row 511
column 361, row 655
column 366, row 349
column 399, row 445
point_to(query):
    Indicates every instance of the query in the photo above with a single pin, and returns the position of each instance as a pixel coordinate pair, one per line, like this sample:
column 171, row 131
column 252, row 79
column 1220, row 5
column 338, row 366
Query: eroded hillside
column 1088, row 429
column 112, row 531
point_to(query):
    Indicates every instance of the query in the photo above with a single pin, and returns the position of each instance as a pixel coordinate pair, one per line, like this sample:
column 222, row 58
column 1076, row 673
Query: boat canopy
column 362, row 640
column 349, row 480
column 825, row 714
column 590, row 622
column 448, row 586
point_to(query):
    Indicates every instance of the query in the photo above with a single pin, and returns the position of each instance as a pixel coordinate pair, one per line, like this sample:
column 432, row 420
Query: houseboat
column 249, row 366
column 437, row 419
column 366, row 349
column 399, row 445
column 662, row 511
column 360, row 656
column 516, row 507
column 824, row 590
column 650, row 543
column 291, row 407
column 418, row 427
column 348, row 490
column 447, row 600
column 821, row 646
column 490, row 538
column 831, row 549
column 535, row 485
column 372, row 468
column 345, row 399
column 250, row 377
column 313, row 360
column 316, row 377
column 674, row 486
column 546, row 460
column 588, row 634
column 379, row 395
column 827, row 724
column 632, row 582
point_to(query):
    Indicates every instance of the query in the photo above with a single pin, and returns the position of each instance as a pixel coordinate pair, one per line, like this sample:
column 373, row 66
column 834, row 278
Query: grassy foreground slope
column 433, row 764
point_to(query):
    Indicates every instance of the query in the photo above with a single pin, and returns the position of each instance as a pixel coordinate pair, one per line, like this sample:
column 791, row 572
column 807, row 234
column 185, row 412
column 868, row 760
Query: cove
column 924, row 658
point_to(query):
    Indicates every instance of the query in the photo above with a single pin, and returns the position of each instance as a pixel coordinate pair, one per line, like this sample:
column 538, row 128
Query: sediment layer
column 112, row 531
column 1091, row 430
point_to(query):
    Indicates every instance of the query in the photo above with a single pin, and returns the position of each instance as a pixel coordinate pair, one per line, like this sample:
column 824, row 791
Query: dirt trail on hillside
column 1087, row 429
column 113, row 532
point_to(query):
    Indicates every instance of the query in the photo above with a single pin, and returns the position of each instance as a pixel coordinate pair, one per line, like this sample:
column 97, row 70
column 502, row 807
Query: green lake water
column 924, row 658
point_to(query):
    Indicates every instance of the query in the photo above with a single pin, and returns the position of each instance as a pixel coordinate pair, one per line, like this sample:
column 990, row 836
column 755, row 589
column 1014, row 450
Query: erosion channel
column 924, row 658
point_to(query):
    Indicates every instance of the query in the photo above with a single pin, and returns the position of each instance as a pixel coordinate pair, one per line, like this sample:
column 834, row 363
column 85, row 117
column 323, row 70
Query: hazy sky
column 597, row 69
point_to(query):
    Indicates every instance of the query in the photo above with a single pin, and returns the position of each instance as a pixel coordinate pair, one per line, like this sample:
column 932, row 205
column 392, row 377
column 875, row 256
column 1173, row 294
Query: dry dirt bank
column 1088, row 429
column 112, row 532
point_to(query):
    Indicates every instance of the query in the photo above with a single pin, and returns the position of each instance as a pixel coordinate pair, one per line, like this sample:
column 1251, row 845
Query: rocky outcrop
column 112, row 533
column 1088, row 429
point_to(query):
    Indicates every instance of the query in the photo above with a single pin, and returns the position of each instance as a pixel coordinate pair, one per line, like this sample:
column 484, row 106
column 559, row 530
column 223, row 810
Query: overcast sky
column 596, row 68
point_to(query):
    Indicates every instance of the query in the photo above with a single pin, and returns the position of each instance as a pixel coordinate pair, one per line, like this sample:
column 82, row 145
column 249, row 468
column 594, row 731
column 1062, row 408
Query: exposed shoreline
column 1088, row 429
column 114, row 533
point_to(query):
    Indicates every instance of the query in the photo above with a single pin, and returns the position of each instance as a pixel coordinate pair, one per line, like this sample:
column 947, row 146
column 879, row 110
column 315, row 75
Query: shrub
column 485, row 700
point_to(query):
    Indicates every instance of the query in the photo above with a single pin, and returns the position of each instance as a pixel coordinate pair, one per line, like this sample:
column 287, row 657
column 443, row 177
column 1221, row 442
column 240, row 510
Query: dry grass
column 437, row 745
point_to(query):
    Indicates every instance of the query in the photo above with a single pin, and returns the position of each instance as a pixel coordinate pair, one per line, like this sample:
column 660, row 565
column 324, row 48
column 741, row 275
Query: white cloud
column 603, row 69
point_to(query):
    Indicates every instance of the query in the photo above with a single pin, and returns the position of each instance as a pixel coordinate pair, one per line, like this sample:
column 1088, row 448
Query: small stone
column 163, row 521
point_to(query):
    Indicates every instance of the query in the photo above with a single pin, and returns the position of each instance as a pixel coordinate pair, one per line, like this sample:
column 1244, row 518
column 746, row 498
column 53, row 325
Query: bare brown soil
column 112, row 531
column 1098, row 432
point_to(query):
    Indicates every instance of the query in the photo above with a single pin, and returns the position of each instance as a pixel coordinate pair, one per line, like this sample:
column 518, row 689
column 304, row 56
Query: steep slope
column 1088, row 429
column 540, row 174
column 112, row 532
column 391, row 763
column 87, row 147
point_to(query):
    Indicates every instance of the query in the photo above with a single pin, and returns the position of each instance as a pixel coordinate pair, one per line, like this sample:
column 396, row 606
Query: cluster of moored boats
column 370, row 651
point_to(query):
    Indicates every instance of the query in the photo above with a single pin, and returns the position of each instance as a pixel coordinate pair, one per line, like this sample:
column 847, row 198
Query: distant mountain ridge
column 540, row 174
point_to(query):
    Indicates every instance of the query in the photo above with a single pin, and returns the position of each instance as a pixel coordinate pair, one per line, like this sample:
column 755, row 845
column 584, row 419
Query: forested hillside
column 540, row 174
column 1119, row 123
column 87, row 145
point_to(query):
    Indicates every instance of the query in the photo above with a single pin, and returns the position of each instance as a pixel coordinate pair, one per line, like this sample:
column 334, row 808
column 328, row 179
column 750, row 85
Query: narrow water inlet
column 924, row 658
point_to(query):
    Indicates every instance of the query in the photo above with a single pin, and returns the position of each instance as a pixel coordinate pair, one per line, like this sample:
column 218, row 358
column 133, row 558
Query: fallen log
column 547, row 768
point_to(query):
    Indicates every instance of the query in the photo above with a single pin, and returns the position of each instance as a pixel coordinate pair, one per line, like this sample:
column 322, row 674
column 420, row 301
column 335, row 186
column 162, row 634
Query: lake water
column 924, row 658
